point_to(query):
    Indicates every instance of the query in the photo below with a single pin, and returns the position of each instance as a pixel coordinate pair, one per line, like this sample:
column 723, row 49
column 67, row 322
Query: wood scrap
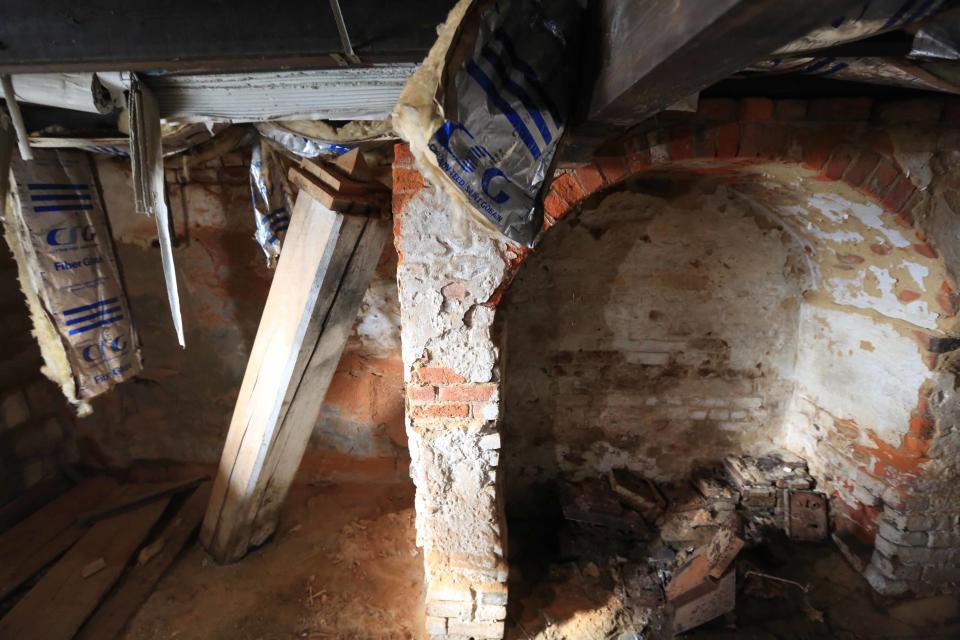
column 594, row 502
column 41, row 538
column 93, row 567
column 354, row 204
column 715, row 600
column 133, row 589
column 723, row 549
column 337, row 179
column 55, row 608
column 691, row 579
column 638, row 492
column 355, row 165
column 148, row 552
column 128, row 496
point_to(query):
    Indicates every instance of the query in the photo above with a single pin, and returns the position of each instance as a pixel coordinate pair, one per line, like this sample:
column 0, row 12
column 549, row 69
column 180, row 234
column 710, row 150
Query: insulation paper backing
column 69, row 268
column 497, row 141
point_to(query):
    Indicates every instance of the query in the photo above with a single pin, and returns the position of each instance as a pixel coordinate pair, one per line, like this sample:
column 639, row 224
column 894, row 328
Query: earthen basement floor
column 344, row 565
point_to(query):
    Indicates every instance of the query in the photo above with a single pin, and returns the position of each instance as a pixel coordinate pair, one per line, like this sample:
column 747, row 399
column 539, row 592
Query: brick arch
column 450, row 288
column 840, row 140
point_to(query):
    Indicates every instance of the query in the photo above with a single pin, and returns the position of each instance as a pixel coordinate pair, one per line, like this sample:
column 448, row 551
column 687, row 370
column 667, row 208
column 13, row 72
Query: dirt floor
column 343, row 565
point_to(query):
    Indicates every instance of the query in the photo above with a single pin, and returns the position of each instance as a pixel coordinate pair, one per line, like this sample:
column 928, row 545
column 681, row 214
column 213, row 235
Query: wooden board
column 242, row 35
column 133, row 589
column 354, row 165
column 41, row 538
column 62, row 599
column 341, row 203
column 307, row 402
column 336, row 179
column 31, row 500
column 264, row 446
column 128, row 496
column 713, row 602
column 655, row 53
column 287, row 318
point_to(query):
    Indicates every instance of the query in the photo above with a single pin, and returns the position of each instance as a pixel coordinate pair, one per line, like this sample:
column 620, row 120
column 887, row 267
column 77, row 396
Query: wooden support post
column 325, row 267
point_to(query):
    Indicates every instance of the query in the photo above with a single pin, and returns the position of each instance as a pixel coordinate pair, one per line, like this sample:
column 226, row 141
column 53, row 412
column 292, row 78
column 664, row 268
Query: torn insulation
column 56, row 227
column 488, row 107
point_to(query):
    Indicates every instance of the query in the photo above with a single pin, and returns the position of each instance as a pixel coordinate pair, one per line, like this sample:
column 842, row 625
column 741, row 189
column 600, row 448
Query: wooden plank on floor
column 128, row 496
column 309, row 279
column 31, row 500
column 116, row 611
column 45, row 535
column 63, row 598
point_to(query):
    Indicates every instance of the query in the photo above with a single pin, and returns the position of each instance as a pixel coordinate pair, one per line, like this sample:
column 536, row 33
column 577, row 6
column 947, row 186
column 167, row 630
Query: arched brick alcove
column 824, row 171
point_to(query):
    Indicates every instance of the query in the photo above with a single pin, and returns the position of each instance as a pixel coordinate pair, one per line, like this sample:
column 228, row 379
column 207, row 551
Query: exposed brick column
column 447, row 274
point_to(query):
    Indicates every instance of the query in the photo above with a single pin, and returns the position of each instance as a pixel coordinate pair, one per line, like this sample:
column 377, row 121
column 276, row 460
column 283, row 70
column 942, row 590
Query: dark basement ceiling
column 196, row 35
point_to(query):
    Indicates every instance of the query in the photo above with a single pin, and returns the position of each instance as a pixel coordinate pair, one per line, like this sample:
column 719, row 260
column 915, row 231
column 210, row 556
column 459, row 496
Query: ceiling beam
column 654, row 53
column 209, row 35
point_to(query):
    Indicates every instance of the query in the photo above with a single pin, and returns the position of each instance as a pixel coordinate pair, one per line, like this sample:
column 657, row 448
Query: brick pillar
column 449, row 270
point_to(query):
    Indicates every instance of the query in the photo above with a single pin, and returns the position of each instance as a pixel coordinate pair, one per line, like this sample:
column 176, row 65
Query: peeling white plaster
column 918, row 272
column 853, row 292
column 379, row 320
column 457, row 334
column 878, row 388
column 837, row 208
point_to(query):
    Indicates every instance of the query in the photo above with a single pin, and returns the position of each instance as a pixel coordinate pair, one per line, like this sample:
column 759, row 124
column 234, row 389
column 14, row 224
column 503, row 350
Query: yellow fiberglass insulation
column 418, row 114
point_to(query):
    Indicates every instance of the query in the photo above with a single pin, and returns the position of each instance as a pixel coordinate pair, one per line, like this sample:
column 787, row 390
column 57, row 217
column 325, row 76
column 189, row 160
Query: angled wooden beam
column 325, row 266
column 652, row 54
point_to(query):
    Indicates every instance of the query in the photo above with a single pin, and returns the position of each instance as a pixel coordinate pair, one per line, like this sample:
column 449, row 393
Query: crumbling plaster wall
column 654, row 333
column 180, row 407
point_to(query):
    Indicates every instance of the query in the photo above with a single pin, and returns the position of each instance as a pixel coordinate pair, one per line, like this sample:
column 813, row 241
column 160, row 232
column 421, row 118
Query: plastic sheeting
column 299, row 144
column 873, row 17
column 271, row 197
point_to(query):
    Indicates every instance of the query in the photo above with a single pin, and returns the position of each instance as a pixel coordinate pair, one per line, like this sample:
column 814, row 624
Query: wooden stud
column 337, row 180
column 128, row 496
column 328, row 197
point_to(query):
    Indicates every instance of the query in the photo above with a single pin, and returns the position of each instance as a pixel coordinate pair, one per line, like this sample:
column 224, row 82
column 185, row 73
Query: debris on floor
column 669, row 551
